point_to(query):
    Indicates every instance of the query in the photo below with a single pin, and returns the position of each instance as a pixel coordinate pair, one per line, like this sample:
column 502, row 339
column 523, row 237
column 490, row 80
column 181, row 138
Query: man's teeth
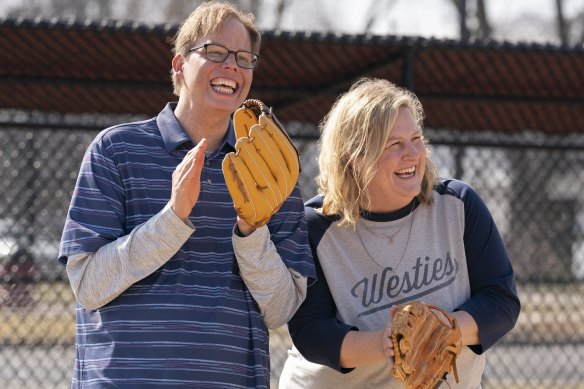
column 224, row 85
column 222, row 89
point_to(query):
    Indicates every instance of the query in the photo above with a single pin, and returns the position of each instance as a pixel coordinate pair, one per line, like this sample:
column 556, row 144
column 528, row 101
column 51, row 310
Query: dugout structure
column 506, row 117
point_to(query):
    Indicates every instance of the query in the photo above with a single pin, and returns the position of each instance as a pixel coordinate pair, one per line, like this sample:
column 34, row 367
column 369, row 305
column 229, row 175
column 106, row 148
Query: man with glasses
column 172, row 288
column 218, row 53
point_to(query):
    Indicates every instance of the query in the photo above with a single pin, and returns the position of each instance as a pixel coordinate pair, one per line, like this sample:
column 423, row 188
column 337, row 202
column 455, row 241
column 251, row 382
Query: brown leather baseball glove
column 425, row 348
column 263, row 170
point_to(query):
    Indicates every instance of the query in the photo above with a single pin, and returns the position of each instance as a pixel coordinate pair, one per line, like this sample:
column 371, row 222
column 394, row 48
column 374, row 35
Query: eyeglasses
column 218, row 53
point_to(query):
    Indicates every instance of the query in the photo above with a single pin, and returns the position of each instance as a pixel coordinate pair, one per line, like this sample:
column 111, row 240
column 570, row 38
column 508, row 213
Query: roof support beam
column 409, row 70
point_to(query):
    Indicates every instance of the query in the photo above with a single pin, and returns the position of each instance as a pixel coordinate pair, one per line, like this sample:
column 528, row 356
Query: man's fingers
column 186, row 180
column 195, row 158
column 199, row 157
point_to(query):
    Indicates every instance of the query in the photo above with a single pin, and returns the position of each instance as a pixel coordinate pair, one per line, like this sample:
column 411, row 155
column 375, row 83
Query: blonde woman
column 383, row 231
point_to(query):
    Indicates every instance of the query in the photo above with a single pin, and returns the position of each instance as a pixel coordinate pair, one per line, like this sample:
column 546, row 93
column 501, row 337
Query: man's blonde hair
column 353, row 136
column 208, row 18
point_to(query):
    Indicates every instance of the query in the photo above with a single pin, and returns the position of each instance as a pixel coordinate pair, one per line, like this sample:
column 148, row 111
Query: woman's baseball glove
column 425, row 347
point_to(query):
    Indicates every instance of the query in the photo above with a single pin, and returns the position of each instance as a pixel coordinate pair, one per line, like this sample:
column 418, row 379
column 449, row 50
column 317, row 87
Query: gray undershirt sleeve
column 278, row 290
column 98, row 278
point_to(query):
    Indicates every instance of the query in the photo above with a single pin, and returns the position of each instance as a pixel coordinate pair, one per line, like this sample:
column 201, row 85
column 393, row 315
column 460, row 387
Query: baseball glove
column 425, row 348
column 263, row 170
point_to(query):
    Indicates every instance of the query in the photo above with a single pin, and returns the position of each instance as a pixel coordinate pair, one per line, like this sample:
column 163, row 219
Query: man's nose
column 231, row 61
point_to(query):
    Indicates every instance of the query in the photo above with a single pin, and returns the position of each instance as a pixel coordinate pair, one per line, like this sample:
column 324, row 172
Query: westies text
column 438, row 272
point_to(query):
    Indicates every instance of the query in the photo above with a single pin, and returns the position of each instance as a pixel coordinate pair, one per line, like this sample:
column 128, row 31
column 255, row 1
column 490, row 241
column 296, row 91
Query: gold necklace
column 390, row 240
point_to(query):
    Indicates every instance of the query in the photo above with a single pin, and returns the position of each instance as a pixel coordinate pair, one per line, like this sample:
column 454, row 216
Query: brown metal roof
column 123, row 68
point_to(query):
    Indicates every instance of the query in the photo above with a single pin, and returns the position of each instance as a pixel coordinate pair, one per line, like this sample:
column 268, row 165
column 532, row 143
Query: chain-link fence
column 533, row 184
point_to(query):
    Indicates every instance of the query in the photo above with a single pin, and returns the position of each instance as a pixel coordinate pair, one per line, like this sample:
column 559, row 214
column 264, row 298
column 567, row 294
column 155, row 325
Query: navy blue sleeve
column 494, row 303
column 96, row 215
column 315, row 329
column 288, row 231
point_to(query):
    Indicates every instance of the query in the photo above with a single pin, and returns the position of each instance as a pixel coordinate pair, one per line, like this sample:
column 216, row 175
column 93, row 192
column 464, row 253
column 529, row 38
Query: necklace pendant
column 390, row 238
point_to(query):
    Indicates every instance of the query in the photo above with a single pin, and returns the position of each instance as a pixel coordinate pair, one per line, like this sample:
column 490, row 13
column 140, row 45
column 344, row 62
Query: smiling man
column 173, row 289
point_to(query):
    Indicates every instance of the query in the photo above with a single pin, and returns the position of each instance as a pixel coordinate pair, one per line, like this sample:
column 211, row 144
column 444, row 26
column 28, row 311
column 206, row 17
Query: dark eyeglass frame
column 255, row 57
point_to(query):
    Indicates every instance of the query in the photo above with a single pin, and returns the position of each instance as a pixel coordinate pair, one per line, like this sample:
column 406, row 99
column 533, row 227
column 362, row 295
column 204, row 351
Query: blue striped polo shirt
column 193, row 322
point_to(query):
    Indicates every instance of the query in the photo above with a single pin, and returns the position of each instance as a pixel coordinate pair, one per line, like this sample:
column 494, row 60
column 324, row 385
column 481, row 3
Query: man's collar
column 230, row 138
column 173, row 135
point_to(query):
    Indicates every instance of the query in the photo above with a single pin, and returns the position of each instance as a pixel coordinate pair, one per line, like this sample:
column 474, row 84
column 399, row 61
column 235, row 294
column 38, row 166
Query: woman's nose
column 411, row 150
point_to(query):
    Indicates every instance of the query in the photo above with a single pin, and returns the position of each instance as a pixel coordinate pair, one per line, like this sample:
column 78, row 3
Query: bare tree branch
column 462, row 18
column 378, row 9
column 580, row 18
column 561, row 22
column 280, row 9
column 484, row 29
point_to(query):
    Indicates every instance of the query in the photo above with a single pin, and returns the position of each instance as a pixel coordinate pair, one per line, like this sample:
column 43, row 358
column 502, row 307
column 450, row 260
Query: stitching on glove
column 238, row 179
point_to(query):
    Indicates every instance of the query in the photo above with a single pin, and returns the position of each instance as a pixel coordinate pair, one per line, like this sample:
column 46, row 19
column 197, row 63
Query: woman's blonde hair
column 208, row 18
column 353, row 136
